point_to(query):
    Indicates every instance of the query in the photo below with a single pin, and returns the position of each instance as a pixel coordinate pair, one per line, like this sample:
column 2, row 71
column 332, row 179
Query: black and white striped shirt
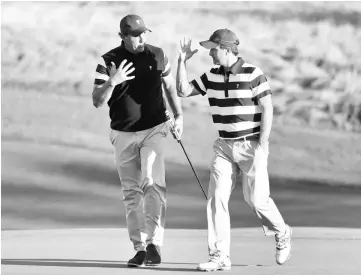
column 233, row 98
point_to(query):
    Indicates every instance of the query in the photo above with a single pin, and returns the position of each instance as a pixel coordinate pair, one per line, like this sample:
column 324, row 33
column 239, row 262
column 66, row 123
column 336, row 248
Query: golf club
column 176, row 136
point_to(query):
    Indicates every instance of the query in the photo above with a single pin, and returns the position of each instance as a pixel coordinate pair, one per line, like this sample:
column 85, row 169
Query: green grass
column 328, row 156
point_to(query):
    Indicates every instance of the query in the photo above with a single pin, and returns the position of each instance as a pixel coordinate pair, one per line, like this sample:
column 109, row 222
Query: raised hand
column 120, row 75
column 185, row 51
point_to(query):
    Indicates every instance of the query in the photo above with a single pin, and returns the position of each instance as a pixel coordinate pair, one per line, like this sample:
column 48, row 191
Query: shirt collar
column 236, row 67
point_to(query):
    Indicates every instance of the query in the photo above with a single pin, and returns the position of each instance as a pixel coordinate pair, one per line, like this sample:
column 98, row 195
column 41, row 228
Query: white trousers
column 231, row 158
column 139, row 160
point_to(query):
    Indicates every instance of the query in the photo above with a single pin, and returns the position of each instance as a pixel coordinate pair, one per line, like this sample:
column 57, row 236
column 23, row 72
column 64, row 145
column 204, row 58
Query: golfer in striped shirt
column 240, row 102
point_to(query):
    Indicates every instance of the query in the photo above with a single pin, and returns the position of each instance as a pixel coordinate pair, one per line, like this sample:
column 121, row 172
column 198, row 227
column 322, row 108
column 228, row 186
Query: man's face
column 135, row 43
column 219, row 56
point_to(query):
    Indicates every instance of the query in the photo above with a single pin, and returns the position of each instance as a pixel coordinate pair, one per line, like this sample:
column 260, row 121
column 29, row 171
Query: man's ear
column 122, row 36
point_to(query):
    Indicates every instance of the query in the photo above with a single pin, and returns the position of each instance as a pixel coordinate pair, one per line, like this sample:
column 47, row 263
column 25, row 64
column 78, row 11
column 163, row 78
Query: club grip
column 171, row 124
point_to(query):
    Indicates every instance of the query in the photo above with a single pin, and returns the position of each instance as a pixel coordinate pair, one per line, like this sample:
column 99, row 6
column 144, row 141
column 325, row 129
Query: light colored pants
column 139, row 160
column 230, row 158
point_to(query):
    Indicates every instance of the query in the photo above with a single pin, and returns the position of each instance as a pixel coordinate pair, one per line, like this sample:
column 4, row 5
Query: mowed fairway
column 53, row 186
column 73, row 196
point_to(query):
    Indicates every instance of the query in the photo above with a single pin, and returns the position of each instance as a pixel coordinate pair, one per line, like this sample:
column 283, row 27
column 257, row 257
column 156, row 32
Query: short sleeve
column 201, row 84
column 259, row 84
column 101, row 73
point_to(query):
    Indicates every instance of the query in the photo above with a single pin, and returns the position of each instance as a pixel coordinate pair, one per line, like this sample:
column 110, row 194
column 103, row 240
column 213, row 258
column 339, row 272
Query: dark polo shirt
column 138, row 104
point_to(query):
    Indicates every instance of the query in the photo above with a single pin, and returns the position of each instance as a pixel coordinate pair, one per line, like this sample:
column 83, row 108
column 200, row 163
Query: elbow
column 97, row 103
column 180, row 93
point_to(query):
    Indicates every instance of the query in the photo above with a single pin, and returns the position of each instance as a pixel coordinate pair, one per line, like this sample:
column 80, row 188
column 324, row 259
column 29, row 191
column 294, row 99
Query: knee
column 155, row 192
column 152, row 181
column 257, row 203
column 133, row 199
column 147, row 183
column 219, row 199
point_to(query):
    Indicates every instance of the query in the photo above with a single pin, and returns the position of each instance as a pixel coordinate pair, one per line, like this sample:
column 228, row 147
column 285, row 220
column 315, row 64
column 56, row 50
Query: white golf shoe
column 283, row 246
column 216, row 263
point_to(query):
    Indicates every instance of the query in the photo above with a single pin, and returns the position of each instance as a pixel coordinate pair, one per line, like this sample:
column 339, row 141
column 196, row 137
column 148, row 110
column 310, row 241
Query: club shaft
column 177, row 137
column 190, row 163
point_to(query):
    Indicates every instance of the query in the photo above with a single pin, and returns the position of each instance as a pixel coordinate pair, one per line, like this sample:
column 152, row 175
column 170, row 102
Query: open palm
column 185, row 51
column 121, row 74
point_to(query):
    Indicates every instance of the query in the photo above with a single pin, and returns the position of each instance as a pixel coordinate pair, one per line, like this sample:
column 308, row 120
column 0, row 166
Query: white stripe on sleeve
column 261, row 88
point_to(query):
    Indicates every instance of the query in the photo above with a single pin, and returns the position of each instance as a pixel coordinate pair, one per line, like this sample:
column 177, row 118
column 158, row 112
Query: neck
column 131, row 50
column 230, row 62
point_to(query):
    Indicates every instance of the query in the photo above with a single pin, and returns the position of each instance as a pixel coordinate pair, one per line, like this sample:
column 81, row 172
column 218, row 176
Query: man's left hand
column 185, row 51
column 178, row 124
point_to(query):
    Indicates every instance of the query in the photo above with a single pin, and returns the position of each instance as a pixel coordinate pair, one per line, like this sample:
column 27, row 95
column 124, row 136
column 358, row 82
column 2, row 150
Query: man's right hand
column 185, row 51
column 120, row 75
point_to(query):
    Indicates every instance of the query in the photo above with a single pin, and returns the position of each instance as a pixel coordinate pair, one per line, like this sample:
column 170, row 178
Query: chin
column 140, row 49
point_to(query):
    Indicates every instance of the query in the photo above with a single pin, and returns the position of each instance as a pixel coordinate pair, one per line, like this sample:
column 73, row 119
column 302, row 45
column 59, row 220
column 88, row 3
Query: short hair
column 234, row 49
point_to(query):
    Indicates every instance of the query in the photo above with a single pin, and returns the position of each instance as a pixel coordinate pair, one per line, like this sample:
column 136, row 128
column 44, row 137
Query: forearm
column 103, row 93
column 266, row 124
column 182, row 82
column 173, row 100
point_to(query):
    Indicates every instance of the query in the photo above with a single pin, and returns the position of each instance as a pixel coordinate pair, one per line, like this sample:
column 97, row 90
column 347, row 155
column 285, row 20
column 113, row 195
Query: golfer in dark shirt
column 130, row 79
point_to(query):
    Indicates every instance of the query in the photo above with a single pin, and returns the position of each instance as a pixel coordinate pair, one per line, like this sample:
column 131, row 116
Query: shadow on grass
column 85, row 263
column 82, row 192
column 99, row 264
